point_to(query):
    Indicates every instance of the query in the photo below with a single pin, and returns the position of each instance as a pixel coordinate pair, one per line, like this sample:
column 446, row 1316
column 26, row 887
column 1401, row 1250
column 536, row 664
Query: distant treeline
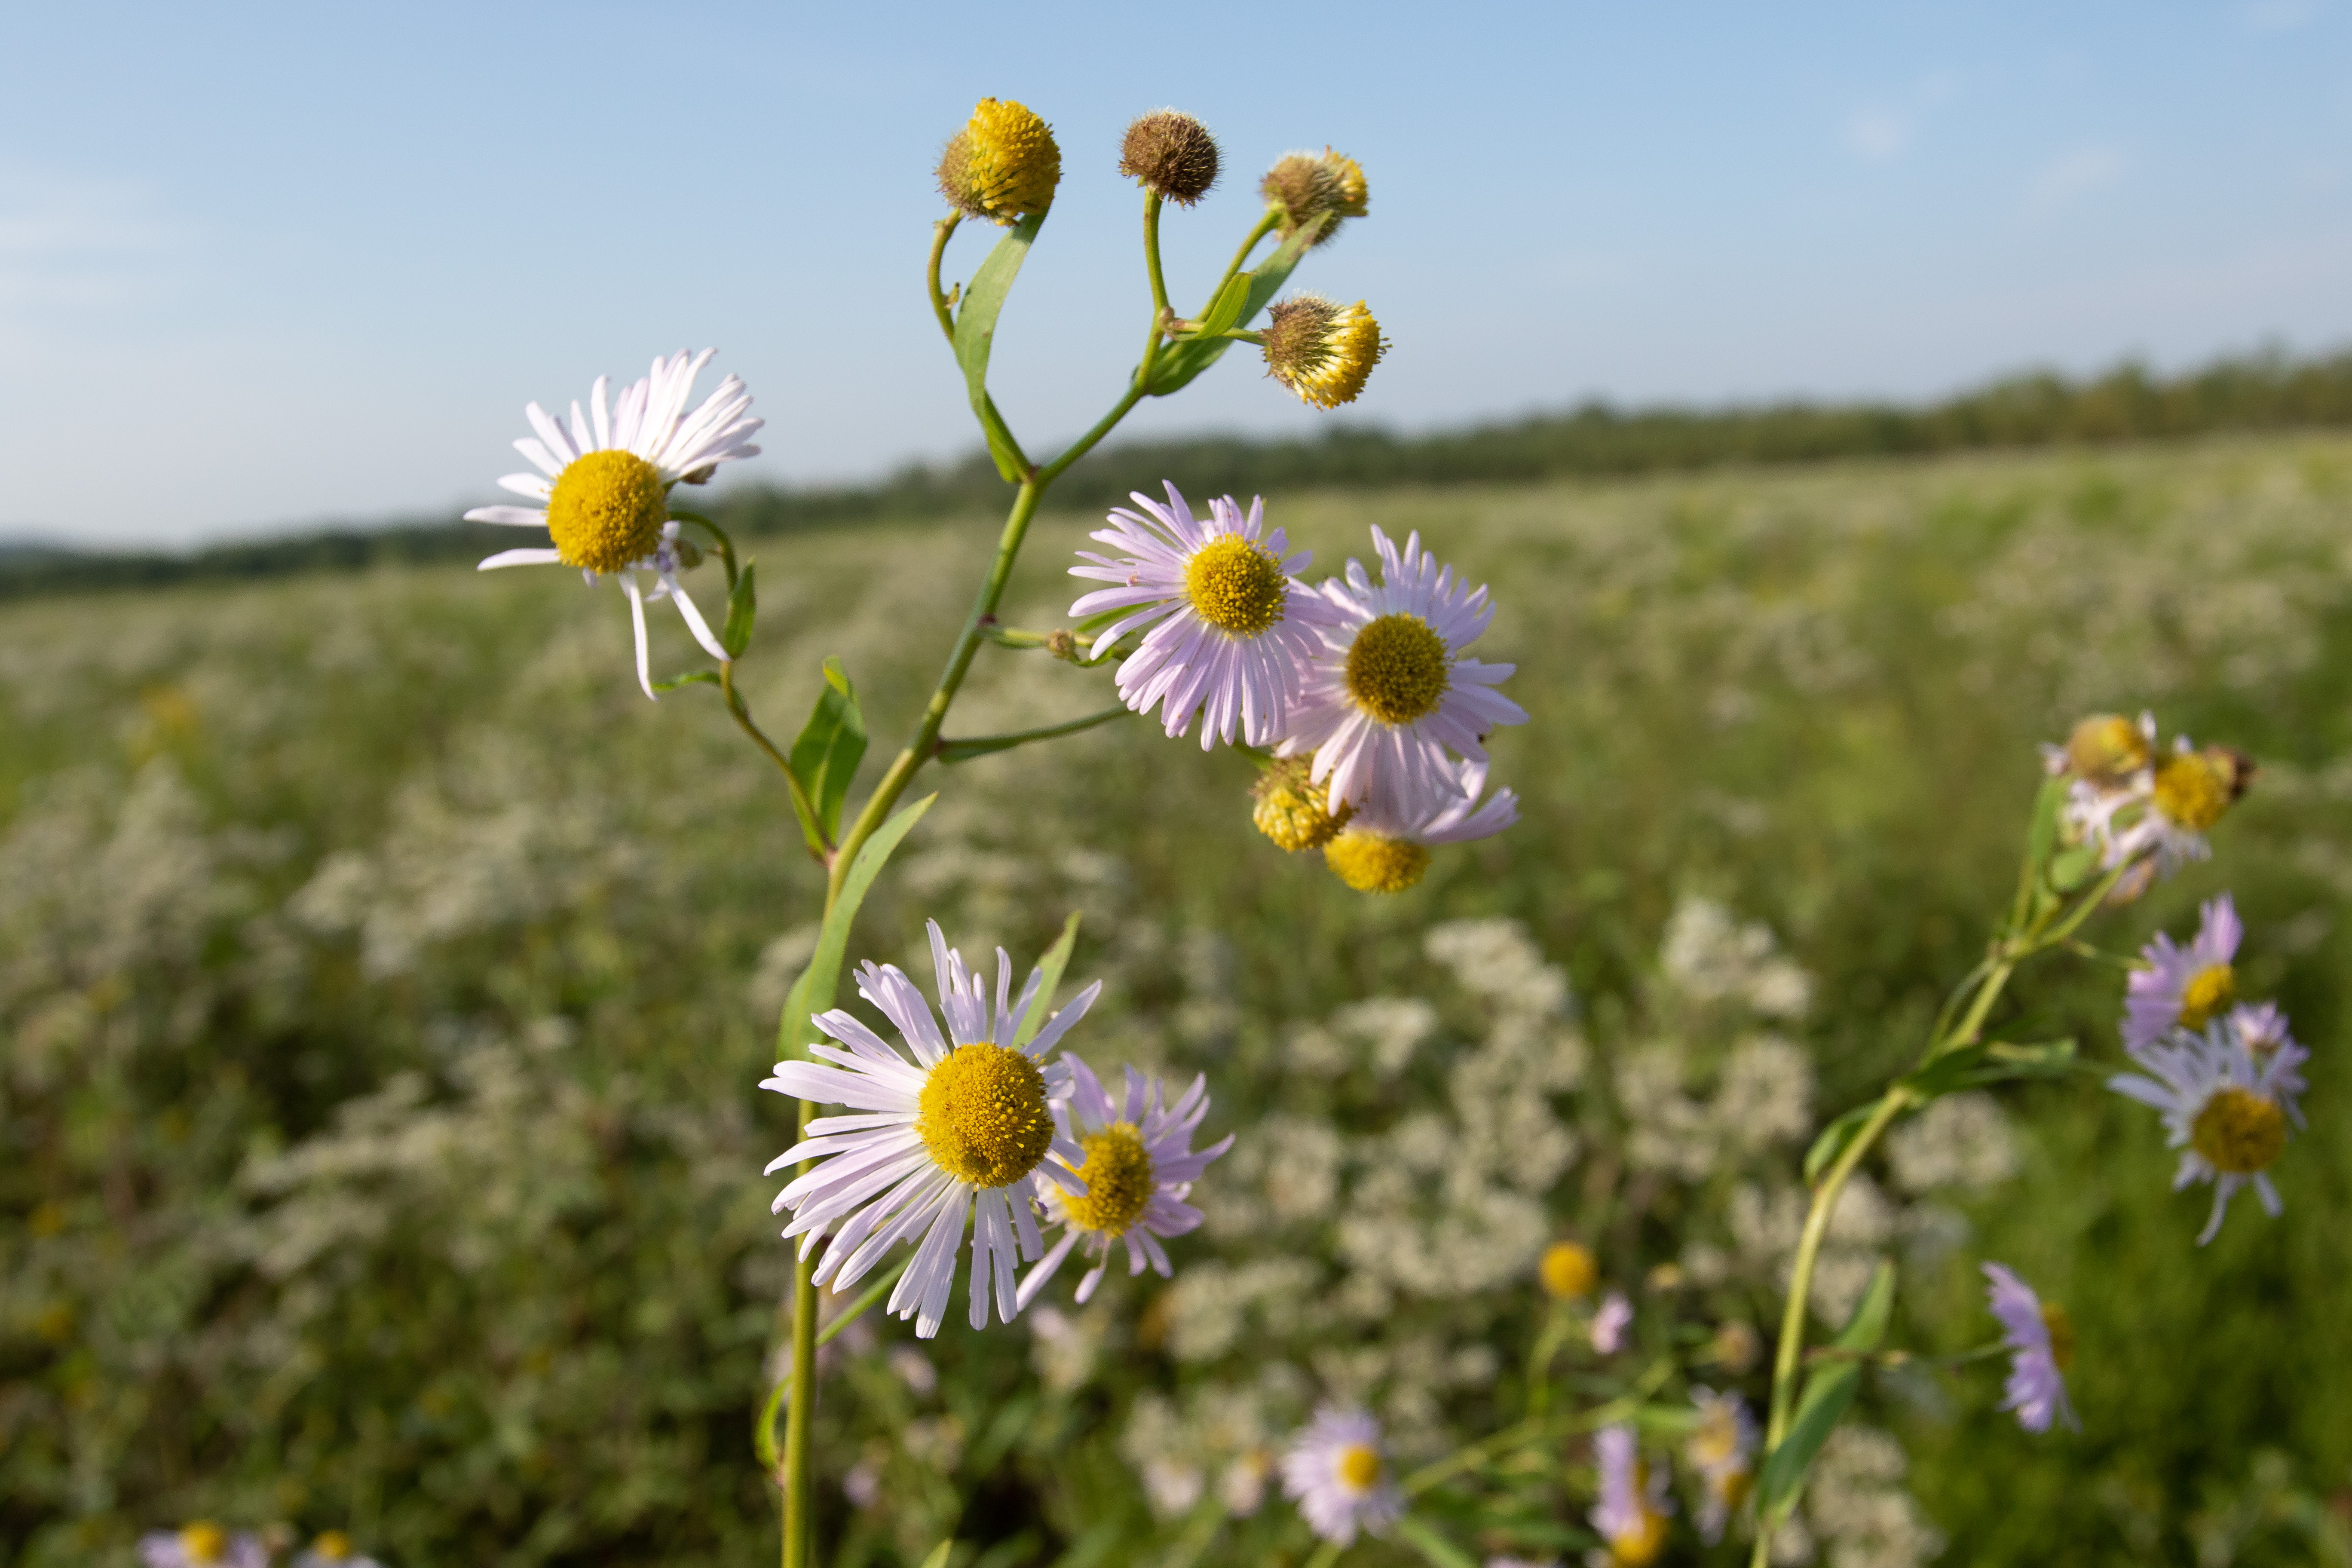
column 2262, row 391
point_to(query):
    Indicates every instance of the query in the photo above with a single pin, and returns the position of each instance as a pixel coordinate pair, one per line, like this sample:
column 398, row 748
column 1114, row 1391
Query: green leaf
column 1226, row 312
column 2070, row 869
column 2042, row 836
column 1867, row 1327
column 830, row 747
column 743, row 604
column 1828, row 1391
column 1833, row 1139
column 813, row 990
column 1434, row 1549
column 699, row 677
column 975, row 336
column 1973, row 1067
column 1056, row 959
column 1184, row 361
column 938, row 1557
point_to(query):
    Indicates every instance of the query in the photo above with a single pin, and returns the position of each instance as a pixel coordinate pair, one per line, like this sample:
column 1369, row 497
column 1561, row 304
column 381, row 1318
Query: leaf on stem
column 1225, row 314
column 743, row 604
column 1973, row 1067
column 816, row 987
column 831, row 743
column 1829, row 1392
column 699, row 677
column 975, row 337
column 1833, row 1139
column 1434, row 1548
column 1056, row 960
column 938, row 1557
column 1186, row 360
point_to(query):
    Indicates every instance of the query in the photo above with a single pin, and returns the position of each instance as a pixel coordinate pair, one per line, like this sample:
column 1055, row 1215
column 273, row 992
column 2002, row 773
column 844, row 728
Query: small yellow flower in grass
column 1171, row 153
column 1568, row 1270
column 1308, row 185
column 1291, row 811
column 1321, row 350
column 1002, row 165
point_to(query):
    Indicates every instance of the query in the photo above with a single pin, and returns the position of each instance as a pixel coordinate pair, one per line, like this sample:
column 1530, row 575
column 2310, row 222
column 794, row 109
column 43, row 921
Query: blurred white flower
column 1610, row 1323
column 202, row 1545
column 1337, row 1471
column 1960, row 1141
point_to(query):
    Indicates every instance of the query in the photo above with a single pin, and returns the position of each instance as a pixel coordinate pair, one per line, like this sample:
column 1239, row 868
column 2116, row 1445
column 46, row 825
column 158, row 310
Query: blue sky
column 264, row 265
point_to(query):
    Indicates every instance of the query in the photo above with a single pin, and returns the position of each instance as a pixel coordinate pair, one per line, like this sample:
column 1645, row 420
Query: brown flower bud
column 1173, row 154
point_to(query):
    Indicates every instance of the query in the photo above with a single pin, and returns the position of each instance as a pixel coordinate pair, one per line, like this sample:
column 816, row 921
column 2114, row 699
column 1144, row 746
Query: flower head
column 202, row 1544
column 1568, row 1272
column 1611, row 1323
column 1336, row 1470
column 1171, row 153
column 1722, row 1450
column 1385, row 850
column 2226, row 1104
column 2153, row 817
column 604, row 483
column 1002, row 165
column 1233, row 633
column 2183, row 987
column 1306, row 186
column 1392, row 690
column 1138, row 1168
column 962, row 1130
column 1322, row 351
column 1632, row 1509
column 1290, row 810
column 2041, row 1340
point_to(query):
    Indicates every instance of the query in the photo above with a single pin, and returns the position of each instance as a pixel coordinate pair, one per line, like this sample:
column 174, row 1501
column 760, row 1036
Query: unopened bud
column 1002, row 165
column 1290, row 806
column 1321, row 350
column 1173, row 154
column 1307, row 185
column 2107, row 749
column 690, row 554
column 1062, row 644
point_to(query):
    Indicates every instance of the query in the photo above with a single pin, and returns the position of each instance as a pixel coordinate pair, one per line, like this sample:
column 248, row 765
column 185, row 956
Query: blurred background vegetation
column 385, row 983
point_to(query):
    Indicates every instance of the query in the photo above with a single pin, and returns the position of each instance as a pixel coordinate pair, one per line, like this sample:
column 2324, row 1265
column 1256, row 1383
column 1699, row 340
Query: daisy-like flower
column 1233, row 632
column 2226, row 1106
column 1632, row 1509
column 334, row 1549
column 1722, row 1450
column 1384, row 848
column 2262, row 1029
column 603, row 485
column 1611, row 1323
column 2183, row 987
column 1140, row 1167
column 2189, row 790
column 202, row 1545
column 1337, row 1472
column 1393, row 690
column 962, row 1130
column 2041, row 1340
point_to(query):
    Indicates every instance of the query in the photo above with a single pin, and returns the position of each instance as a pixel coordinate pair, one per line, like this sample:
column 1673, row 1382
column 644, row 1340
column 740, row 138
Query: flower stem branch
column 1539, row 1429
column 820, row 848
column 964, row 751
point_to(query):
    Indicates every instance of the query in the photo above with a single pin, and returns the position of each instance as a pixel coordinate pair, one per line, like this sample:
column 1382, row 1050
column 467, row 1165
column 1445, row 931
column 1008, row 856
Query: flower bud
column 2107, row 749
column 1173, row 154
column 1307, row 185
column 1290, row 806
column 1002, row 165
column 1320, row 351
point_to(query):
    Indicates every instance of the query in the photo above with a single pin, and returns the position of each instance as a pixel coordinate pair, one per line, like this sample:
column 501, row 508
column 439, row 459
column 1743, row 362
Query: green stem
column 964, row 751
column 1265, row 226
column 1161, row 313
column 800, row 1459
column 1085, row 443
column 1325, row 1554
column 940, row 231
column 1538, row 1430
column 818, row 847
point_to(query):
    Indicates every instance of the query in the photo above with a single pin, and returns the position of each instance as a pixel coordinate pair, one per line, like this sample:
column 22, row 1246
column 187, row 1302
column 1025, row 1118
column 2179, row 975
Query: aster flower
column 2144, row 808
column 1611, row 1323
column 2225, row 1106
column 1631, row 1511
column 603, row 486
column 1138, row 1168
column 202, row 1545
column 1338, row 1473
column 1722, row 1450
column 1384, row 848
column 1232, row 632
column 2041, row 1340
column 334, row 1549
column 962, row 1130
column 1392, row 692
column 2183, row 987
column 2262, row 1029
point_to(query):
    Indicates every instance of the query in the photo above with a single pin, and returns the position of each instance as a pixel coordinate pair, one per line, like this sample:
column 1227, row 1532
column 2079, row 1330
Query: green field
column 386, row 983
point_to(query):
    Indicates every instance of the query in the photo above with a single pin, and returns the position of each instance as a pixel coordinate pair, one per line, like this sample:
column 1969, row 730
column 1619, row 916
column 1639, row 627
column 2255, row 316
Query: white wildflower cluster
column 1709, row 955
column 1857, row 1508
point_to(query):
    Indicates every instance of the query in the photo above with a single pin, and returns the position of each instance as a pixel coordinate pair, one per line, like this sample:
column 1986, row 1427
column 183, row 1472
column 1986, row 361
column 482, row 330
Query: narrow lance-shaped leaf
column 1184, row 361
column 830, row 747
column 975, row 334
column 1829, row 1392
column 1056, row 960
column 742, row 606
column 813, row 990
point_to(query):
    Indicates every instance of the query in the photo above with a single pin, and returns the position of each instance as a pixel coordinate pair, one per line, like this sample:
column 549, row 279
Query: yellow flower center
column 1004, row 164
column 1236, row 587
column 983, row 1115
column 607, row 511
column 1638, row 1545
column 2062, row 1334
column 1568, row 1270
column 1290, row 806
column 2194, row 788
column 1373, row 863
column 1320, row 351
column 2239, row 1131
column 2209, row 991
column 1117, row 1171
column 1359, row 1466
column 202, row 1542
column 1397, row 668
column 2106, row 748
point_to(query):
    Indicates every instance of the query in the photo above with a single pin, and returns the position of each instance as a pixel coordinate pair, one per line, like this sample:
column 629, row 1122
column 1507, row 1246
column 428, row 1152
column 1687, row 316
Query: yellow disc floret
column 2106, row 749
column 607, row 511
column 1118, row 1172
column 1375, row 863
column 2062, row 1334
column 1322, row 352
column 983, row 1115
column 1002, row 165
column 1292, row 808
column 1359, row 1466
column 2209, row 992
column 1569, row 1271
column 1397, row 668
column 203, row 1543
column 2239, row 1131
column 1639, row 1544
column 2194, row 788
column 1236, row 585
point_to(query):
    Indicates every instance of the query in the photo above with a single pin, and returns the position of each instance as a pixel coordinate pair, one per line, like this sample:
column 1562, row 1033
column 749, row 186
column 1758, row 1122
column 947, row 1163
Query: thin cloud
column 2065, row 181
column 2278, row 16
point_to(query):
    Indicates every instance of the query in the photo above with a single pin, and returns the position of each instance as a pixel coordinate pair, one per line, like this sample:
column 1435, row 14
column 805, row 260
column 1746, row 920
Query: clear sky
column 261, row 266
